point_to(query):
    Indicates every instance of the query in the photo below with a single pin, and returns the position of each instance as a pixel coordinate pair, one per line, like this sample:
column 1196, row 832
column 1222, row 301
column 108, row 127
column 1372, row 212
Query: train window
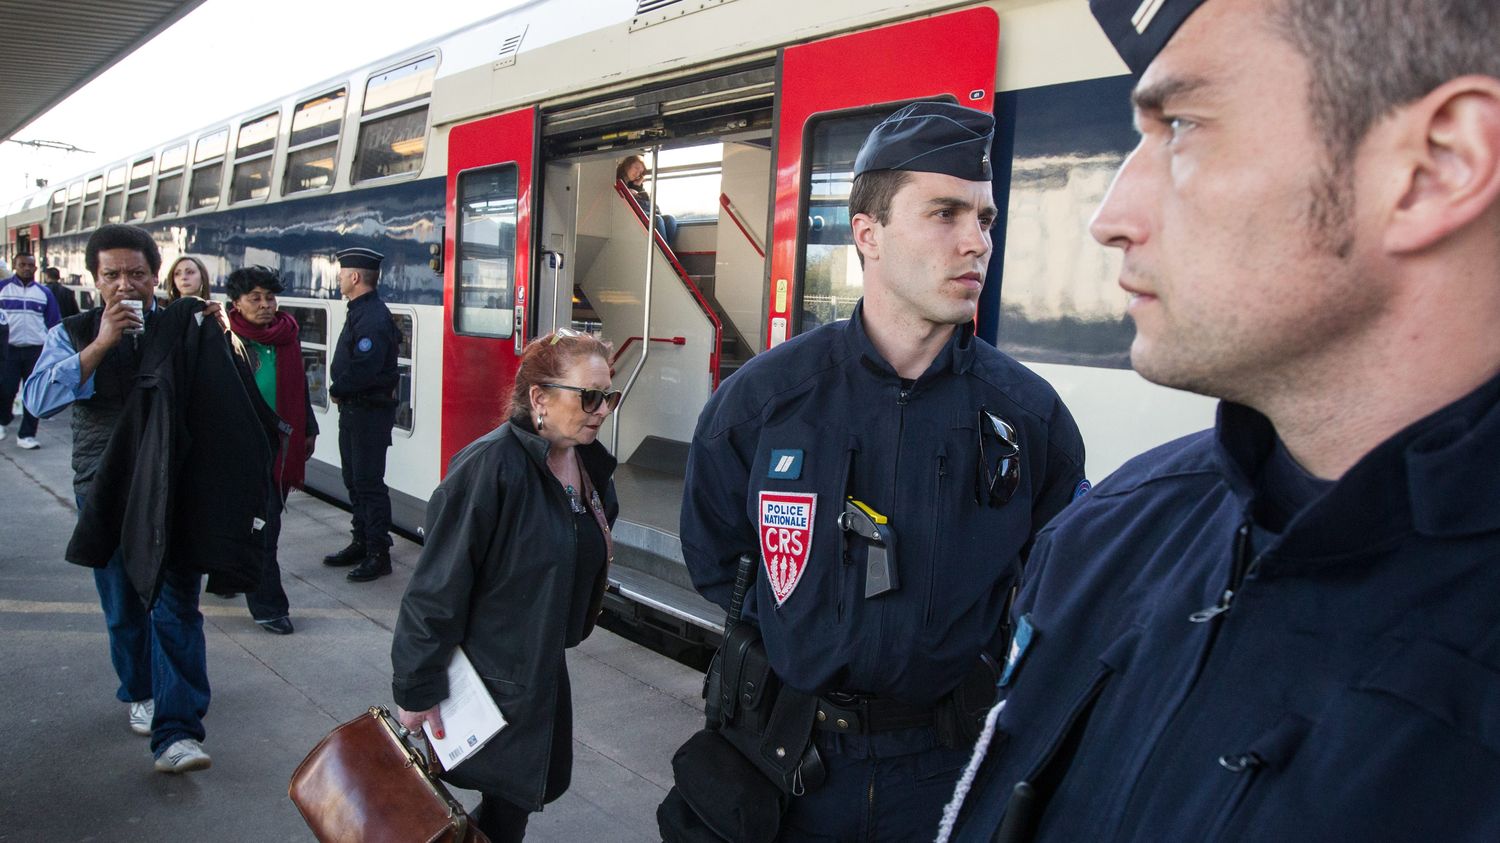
column 169, row 182
column 405, row 409
column 486, row 252
column 393, row 131
column 208, row 171
column 252, row 180
column 203, row 192
column 59, row 205
column 114, row 206
column 140, row 174
column 313, row 152
column 168, row 195
column 211, row 146
column 408, row 83
column 832, row 280
column 318, row 118
column 253, row 156
column 312, row 323
column 91, row 202
column 390, row 146
column 257, row 136
column 174, row 158
column 138, row 190
column 114, row 197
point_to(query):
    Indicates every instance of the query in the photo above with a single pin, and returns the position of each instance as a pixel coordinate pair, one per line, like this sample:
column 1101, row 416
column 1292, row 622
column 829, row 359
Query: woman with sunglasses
column 513, row 570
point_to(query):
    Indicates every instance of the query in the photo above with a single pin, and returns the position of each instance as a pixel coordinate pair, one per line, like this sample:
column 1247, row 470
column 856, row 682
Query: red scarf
column 291, row 389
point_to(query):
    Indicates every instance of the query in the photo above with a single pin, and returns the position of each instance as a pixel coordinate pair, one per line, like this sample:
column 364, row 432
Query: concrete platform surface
column 73, row 771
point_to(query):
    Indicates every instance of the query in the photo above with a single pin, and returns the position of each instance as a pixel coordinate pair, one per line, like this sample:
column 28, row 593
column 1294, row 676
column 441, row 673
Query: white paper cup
column 139, row 308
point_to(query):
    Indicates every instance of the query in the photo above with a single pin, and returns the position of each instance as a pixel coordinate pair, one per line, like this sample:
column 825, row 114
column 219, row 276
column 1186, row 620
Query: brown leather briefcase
column 365, row 783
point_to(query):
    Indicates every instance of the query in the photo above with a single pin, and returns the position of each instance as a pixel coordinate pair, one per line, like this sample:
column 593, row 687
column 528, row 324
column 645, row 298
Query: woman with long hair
column 513, row 570
column 187, row 276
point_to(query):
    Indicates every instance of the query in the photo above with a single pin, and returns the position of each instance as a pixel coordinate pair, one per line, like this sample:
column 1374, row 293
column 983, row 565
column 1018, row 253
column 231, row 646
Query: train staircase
column 734, row 350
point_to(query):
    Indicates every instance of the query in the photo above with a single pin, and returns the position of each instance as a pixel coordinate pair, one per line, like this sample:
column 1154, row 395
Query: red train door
column 491, row 172
column 823, row 112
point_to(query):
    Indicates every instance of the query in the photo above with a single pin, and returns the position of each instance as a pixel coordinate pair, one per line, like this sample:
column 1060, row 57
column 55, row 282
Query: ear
column 536, row 394
column 1452, row 152
column 866, row 233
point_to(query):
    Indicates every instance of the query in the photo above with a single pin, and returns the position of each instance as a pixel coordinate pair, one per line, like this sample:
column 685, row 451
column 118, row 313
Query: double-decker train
column 483, row 165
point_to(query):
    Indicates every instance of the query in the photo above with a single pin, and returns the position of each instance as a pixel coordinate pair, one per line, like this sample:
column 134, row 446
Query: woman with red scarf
column 275, row 352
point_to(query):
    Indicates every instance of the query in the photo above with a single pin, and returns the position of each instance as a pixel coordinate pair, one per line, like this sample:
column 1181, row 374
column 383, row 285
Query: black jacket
column 496, row 575
column 185, row 479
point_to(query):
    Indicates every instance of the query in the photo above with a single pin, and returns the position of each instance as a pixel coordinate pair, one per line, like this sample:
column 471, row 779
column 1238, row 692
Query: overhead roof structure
column 54, row 47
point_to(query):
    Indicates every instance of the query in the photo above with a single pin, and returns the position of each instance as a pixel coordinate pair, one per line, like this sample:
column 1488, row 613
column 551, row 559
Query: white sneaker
column 28, row 443
column 2, row 432
column 183, row 756
column 141, row 714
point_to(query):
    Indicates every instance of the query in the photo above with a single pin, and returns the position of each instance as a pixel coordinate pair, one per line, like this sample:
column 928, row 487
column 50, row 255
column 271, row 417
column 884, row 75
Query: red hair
column 545, row 360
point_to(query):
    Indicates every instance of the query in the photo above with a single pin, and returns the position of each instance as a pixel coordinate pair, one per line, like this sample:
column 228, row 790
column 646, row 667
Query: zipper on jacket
column 1243, row 565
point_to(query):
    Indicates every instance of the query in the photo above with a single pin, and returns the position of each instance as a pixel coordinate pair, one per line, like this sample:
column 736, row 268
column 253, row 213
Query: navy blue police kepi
column 931, row 137
column 1139, row 29
column 358, row 258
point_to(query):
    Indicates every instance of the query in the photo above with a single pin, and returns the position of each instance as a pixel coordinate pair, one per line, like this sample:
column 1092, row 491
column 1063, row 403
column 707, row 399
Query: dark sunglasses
column 590, row 398
column 995, row 488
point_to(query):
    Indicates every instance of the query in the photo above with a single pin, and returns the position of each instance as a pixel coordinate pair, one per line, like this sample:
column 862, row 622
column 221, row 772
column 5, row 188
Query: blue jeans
column 158, row 653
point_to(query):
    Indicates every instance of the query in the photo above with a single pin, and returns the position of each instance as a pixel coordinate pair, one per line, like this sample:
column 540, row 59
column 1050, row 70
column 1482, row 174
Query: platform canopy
column 51, row 48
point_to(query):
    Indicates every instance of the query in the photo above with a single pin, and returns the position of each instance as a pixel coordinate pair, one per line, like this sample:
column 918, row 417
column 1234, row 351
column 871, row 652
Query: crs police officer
column 363, row 381
column 890, row 472
column 1284, row 628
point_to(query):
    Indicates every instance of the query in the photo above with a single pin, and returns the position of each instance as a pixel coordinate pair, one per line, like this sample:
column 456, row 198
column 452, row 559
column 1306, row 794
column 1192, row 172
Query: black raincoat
column 496, row 576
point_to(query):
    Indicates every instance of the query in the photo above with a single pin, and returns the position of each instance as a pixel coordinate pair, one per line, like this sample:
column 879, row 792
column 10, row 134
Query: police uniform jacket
column 364, row 360
column 1351, row 691
column 828, row 402
column 496, row 576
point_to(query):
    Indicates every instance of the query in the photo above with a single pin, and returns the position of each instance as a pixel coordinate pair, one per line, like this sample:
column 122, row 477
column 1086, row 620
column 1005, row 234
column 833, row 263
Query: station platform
column 74, row 771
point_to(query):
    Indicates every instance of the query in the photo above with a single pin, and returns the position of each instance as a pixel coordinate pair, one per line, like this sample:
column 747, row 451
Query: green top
column 265, row 370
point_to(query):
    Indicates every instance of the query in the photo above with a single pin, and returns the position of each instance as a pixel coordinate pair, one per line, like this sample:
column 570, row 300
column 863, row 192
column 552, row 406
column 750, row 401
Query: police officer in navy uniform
column 1287, row 627
column 889, row 472
column 363, row 384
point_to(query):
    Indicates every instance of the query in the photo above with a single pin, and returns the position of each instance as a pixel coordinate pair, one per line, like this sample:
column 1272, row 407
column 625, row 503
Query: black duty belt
column 360, row 402
column 864, row 714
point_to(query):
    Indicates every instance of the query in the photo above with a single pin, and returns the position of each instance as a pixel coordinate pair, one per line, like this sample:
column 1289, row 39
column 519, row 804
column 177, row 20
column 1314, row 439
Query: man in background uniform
column 363, row 384
column 1285, row 628
column 889, row 472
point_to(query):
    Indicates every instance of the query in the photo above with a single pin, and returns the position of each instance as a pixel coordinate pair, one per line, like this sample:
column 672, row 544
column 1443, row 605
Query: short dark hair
column 120, row 236
column 245, row 279
column 1366, row 58
column 23, row 254
column 1369, row 57
column 872, row 195
column 53, row 273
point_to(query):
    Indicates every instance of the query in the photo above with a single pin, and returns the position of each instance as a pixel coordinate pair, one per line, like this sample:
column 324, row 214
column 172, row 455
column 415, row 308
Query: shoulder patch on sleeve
column 364, row 344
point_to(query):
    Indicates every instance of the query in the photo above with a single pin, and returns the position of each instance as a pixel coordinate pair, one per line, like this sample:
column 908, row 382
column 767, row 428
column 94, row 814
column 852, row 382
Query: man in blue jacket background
column 1284, row 628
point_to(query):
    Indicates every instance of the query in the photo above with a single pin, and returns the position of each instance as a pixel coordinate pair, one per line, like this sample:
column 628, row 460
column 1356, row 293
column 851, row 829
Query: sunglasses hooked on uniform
column 590, row 398
column 997, row 444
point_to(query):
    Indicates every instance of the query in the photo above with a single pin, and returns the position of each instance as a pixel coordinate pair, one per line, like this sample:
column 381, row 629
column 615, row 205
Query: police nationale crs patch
column 786, row 531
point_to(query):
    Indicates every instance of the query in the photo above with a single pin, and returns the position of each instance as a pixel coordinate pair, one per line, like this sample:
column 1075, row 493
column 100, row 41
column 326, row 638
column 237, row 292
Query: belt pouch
column 725, row 791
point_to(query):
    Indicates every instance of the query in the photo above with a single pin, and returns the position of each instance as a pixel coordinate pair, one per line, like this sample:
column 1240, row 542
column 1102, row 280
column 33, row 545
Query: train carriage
column 483, row 164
